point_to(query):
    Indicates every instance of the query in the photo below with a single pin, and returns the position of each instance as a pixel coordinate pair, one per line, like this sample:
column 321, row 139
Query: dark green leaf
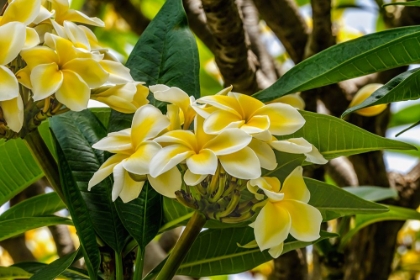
column 334, row 137
column 13, row 272
column 103, row 115
column 407, row 129
column 403, row 87
column 75, row 133
column 372, row 193
column 334, row 202
column 71, row 272
column 368, row 54
column 55, row 268
column 40, row 205
column 216, row 252
column 10, row 228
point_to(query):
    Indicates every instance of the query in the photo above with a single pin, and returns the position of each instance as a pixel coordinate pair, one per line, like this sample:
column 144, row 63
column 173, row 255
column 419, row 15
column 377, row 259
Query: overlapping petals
column 63, row 12
column 286, row 211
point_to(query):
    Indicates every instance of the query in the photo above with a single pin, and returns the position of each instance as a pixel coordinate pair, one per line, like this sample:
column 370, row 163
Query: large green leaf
column 18, row 168
column 13, row 272
column 335, row 137
column 142, row 216
column 372, row 193
column 334, row 202
column 13, row 227
column 395, row 214
column 401, row 88
column 75, row 133
column 55, row 268
column 71, row 272
column 166, row 52
column 80, row 214
column 368, row 54
column 40, row 205
column 405, row 116
column 216, row 252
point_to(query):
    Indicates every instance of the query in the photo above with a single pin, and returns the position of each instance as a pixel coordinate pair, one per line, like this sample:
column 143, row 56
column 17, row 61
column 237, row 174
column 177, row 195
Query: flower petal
column 24, row 11
column 105, row 170
column 181, row 137
column 276, row 251
column 115, row 142
column 219, row 120
column 118, row 73
column 32, row 38
column 294, row 186
column 171, row 95
column 248, row 104
column 138, row 163
column 292, row 145
column 271, row 226
column 228, row 142
column 223, row 102
column 284, row 119
column 9, row 84
column 76, row 35
column 74, row 93
column 315, row 156
column 264, row 153
column 124, row 186
column 203, row 163
column 167, row 183
column 39, row 55
column 76, row 16
column 45, row 79
column 167, row 158
column 24, row 77
column 306, row 220
column 148, row 122
column 243, row 164
column 89, row 70
column 270, row 186
column 12, row 40
column 192, row 179
column 256, row 124
column 13, row 113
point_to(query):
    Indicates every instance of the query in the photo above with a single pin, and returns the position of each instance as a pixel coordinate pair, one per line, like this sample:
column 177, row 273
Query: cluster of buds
column 49, row 64
column 210, row 154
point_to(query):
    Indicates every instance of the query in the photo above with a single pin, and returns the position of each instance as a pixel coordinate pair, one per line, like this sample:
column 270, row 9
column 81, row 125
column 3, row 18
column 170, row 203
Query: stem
column 45, row 160
column 138, row 266
column 119, row 269
column 190, row 233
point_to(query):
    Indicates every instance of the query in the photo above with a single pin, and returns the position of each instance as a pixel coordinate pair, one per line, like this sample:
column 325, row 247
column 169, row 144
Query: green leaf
column 368, row 54
column 71, row 272
column 56, row 268
column 103, row 115
column 166, row 52
column 401, row 88
column 334, row 202
column 142, row 216
column 18, row 169
column 407, row 129
column 75, row 133
column 216, row 252
column 10, row 228
column 395, row 214
column 405, row 116
column 335, row 137
column 13, row 272
column 80, row 214
column 40, row 205
column 411, row 3
column 372, row 193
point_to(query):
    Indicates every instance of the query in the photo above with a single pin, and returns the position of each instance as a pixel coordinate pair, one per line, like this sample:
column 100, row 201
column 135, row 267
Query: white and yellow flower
column 237, row 110
column 286, row 211
column 202, row 152
column 298, row 146
column 361, row 95
column 134, row 150
column 63, row 12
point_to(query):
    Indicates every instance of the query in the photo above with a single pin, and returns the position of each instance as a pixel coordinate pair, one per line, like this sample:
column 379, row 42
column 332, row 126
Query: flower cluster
column 207, row 153
column 50, row 64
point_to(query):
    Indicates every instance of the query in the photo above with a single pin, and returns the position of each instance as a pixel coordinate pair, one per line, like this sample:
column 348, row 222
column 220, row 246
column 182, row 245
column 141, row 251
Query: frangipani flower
column 364, row 93
column 178, row 97
column 125, row 98
column 63, row 12
column 134, row 150
column 249, row 114
column 286, row 211
column 62, row 72
column 11, row 43
column 202, row 151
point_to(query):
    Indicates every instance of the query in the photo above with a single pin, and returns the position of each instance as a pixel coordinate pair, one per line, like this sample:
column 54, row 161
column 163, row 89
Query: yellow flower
column 134, row 150
column 62, row 72
column 201, row 152
column 286, row 211
column 364, row 93
column 11, row 43
column 237, row 110
column 124, row 98
column 298, row 146
column 178, row 97
column 63, row 12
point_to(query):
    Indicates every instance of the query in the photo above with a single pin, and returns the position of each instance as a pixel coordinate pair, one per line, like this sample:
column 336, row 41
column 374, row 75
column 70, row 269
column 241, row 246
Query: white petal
column 124, row 186
column 167, row 158
column 104, row 170
column 138, row 163
column 192, row 179
column 13, row 113
column 12, row 40
column 167, row 183
column 292, row 146
column 203, row 163
column 264, row 153
column 228, row 141
column 9, row 84
column 115, row 142
column 243, row 164
column 276, row 251
column 315, row 156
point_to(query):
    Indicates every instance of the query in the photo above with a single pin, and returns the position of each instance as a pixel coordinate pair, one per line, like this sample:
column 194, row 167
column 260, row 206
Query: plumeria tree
column 228, row 166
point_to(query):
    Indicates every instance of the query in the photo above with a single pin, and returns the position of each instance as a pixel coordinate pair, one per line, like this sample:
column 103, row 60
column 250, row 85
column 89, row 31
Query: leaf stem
column 45, row 160
column 138, row 266
column 190, row 233
column 119, row 269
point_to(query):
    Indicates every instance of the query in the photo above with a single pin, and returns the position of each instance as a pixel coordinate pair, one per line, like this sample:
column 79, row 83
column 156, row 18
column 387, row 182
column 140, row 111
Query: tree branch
column 284, row 19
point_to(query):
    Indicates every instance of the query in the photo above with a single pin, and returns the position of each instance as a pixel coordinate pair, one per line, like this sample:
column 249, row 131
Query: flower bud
column 364, row 93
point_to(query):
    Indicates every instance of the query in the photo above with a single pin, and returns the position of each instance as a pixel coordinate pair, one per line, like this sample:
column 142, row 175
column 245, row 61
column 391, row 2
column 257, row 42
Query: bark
column 283, row 17
column 236, row 62
column 291, row 265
